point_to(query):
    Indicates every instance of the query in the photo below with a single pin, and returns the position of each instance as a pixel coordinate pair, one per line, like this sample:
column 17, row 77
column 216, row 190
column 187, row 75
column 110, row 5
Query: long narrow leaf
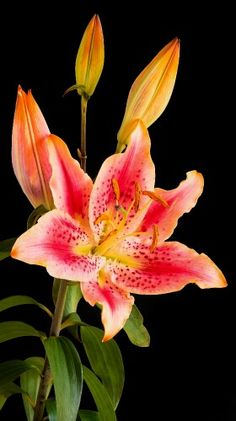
column 7, row 391
column 67, row 375
column 105, row 360
column 73, row 297
column 30, row 381
column 51, row 409
column 15, row 329
column 100, row 396
column 18, row 300
column 10, row 370
column 135, row 329
column 86, row 415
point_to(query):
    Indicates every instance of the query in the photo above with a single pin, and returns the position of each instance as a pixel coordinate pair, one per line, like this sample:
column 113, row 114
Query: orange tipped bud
column 90, row 58
column 151, row 91
column 29, row 150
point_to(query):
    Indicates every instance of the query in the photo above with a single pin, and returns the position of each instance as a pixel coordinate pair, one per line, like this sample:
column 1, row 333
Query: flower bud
column 29, row 150
column 151, row 91
column 90, row 58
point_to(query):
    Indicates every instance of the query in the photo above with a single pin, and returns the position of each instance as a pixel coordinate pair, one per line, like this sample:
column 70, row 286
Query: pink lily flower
column 29, row 150
column 111, row 235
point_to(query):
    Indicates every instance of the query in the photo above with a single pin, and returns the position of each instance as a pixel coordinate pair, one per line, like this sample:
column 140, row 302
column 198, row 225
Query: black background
column 189, row 370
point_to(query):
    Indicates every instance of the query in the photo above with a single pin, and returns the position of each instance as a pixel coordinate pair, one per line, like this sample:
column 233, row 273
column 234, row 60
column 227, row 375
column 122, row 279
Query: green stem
column 83, row 153
column 46, row 377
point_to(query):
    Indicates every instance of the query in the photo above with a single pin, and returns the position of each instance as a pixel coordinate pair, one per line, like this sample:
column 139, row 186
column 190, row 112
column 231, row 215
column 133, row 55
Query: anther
column 156, row 197
column 155, row 236
column 101, row 218
column 137, row 195
column 116, row 190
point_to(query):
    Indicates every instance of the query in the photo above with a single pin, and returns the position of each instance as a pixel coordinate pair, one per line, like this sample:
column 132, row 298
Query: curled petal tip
column 14, row 252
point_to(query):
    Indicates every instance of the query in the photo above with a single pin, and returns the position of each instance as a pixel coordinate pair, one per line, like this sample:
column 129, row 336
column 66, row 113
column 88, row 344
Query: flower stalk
column 46, row 378
column 83, row 149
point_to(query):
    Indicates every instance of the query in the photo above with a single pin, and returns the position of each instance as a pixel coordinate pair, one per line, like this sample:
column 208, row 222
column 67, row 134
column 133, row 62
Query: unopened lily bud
column 29, row 150
column 151, row 91
column 90, row 58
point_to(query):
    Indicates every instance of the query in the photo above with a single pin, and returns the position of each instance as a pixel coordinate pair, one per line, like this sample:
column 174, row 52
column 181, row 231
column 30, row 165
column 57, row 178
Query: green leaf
column 13, row 329
column 86, row 415
column 100, row 396
column 8, row 390
column 51, row 409
column 135, row 330
column 73, row 297
column 73, row 319
column 35, row 215
column 18, row 300
column 5, row 247
column 10, row 370
column 67, row 375
column 106, row 361
column 30, row 381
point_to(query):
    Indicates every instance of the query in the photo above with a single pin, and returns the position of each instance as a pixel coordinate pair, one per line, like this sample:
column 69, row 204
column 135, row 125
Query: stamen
column 138, row 192
column 116, row 190
column 106, row 242
column 110, row 234
column 101, row 278
column 155, row 236
column 121, row 210
column 156, row 197
column 101, row 218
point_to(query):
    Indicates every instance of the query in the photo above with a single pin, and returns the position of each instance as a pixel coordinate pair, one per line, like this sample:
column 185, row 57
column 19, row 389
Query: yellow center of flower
column 115, row 222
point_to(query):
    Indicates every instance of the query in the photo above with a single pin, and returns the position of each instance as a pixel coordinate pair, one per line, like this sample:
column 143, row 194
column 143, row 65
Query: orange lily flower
column 111, row 235
column 151, row 91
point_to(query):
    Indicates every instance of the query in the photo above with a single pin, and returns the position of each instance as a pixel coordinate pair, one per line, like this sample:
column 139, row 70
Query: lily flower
column 111, row 235
column 29, row 150
column 151, row 91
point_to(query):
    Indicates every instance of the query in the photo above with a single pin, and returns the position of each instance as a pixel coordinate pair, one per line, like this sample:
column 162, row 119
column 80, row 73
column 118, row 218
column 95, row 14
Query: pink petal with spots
column 116, row 305
column 61, row 245
column 180, row 200
column 70, row 185
column 133, row 166
column 168, row 268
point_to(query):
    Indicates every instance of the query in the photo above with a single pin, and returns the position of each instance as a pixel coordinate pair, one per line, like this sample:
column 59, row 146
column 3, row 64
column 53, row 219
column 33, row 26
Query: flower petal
column 61, row 245
column 133, row 166
column 169, row 267
column 116, row 304
column 29, row 152
column 70, row 185
column 179, row 200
